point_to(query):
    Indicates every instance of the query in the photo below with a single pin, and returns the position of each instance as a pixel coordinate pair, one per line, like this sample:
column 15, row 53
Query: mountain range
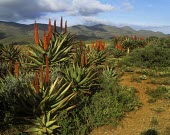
column 11, row 32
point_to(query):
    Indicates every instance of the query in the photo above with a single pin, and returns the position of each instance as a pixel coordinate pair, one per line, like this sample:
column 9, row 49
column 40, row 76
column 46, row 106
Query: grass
column 155, row 72
column 158, row 76
column 161, row 92
column 135, row 78
column 154, row 121
column 162, row 81
column 128, row 68
column 158, row 109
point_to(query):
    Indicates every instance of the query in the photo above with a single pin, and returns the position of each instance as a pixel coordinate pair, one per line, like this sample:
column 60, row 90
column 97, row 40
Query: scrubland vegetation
column 60, row 85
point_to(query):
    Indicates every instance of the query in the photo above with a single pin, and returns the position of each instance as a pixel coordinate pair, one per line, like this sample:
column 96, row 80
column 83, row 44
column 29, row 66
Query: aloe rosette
column 58, row 51
column 82, row 78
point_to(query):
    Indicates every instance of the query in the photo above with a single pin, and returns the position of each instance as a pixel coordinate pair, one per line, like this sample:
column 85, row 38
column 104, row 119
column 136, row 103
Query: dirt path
column 146, row 117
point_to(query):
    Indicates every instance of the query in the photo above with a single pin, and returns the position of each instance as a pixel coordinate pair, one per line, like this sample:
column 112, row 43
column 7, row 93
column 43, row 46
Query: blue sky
column 139, row 14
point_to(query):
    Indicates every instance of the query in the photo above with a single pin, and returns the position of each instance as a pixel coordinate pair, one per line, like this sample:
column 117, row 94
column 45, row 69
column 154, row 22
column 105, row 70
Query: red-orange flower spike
column 61, row 24
column 100, row 45
column 97, row 45
column 17, row 69
column 65, row 30
column 141, row 38
column 45, row 41
column 135, row 38
column 119, row 47
column 55, row 27
column 36, row 83
column 47, row 79
column 92, row 45
column 36, row 36
column 82, row 59
column 49, row 32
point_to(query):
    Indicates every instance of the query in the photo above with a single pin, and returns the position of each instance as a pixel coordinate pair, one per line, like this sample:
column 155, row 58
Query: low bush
column 161, row 92
column 105, row 107
column 150, row 56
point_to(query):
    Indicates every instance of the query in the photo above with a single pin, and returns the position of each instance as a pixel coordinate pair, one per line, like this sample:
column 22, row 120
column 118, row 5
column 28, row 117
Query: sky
column 138, row 14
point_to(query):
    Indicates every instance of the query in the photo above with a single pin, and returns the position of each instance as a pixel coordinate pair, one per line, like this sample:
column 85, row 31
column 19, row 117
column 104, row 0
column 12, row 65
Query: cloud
column 91, row 20
column 127, row 6
column 90, row 7
column 54, row 5
column 13, row 10
column 16, row 10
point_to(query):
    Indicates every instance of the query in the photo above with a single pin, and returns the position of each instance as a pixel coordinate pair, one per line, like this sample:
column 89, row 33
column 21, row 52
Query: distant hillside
column 11, row 32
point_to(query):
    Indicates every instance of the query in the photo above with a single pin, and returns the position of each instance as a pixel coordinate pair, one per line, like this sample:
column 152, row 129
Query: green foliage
column 45, row 125
column 164, row 81
column 156, row 72
column 82, row 78
column 22, row 100
column 104, row 107
column 154, row 121
column 9, row 86
column 3, row 69
column 97, row 57
column 150, row 56
column 10, row 53
column 135, row 78
column 108, row 72
column 161, row 92
column 58, row 51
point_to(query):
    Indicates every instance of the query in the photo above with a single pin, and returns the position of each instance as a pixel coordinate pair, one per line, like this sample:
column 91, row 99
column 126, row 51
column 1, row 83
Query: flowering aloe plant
column 55, row 100
column 57, row 51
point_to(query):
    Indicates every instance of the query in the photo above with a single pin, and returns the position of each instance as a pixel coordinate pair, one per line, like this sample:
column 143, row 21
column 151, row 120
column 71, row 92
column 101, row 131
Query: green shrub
column 161, row 92
column 104, row 107
column 9, row 86
column 149, row 56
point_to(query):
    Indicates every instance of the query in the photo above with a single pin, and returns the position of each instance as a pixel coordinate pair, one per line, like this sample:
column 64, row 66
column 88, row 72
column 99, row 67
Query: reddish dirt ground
column 142, row 119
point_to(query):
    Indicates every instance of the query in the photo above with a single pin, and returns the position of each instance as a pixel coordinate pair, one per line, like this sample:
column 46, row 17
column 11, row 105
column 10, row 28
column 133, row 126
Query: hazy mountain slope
column 11, row 32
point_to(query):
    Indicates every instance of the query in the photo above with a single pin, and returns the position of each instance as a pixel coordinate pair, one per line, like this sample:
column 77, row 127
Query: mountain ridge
column 12, row 32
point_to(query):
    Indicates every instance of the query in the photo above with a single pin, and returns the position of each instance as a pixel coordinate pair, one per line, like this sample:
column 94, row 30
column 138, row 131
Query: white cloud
column 15, row 10
column 92, row 20
column 127, row 6
column 90, row 7
column 54, row 5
